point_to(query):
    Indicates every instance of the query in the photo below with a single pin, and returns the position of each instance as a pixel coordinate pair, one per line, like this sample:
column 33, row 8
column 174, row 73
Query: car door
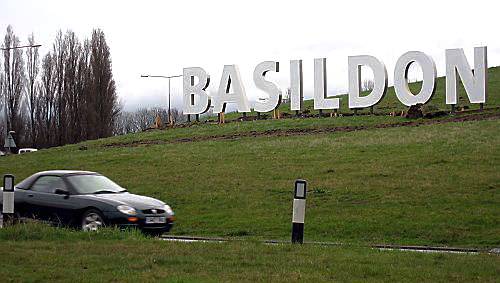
column 46, row 204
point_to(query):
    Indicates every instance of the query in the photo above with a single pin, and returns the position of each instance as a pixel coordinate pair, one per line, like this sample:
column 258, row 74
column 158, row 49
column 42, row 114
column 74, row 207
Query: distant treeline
column 66, row 96
column 144, row 118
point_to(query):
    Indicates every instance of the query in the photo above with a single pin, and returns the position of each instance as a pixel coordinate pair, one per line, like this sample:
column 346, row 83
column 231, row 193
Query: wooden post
column 170, row 120
column 276, row 114
column 158, row 123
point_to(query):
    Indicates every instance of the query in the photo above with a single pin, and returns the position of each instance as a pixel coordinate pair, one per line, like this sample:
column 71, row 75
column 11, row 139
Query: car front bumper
column 139, row 221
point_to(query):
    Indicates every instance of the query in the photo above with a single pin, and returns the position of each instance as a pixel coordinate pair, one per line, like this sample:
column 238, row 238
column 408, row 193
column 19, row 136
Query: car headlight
column 168, row 209
column 125, row 209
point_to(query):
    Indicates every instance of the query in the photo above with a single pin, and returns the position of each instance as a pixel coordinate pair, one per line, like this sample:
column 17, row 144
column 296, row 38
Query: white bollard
column 8, row 198
column 299, row 211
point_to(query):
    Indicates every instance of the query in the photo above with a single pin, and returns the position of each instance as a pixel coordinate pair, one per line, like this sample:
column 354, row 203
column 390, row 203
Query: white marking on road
column 426, row 251
column 403, row 249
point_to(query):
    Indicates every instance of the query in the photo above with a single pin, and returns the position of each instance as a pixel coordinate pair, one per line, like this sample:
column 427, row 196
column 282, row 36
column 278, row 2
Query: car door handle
column 30, row 195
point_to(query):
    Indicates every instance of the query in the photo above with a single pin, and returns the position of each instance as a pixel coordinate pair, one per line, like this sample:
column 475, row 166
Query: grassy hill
column 373, row 179
column 432, row 184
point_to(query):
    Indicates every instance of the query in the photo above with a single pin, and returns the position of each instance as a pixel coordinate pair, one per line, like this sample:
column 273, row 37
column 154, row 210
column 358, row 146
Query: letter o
column 401, row 78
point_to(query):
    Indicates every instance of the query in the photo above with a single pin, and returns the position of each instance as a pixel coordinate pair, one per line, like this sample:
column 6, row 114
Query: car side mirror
column 60, row 191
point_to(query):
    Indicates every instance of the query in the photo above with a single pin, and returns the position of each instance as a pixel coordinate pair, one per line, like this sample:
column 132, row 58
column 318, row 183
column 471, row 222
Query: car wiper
column 104, row 192
column 122, row 191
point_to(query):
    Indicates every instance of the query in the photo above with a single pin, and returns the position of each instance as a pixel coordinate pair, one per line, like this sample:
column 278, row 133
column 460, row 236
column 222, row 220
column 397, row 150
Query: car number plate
column 155, row 220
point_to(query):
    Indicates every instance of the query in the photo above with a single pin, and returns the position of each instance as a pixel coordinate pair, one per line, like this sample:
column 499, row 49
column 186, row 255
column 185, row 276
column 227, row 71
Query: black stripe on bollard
column 297, row 233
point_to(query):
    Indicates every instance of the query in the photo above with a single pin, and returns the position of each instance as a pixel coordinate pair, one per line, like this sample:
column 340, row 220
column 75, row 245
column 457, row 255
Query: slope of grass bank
column 428, row 185
column 68, row 256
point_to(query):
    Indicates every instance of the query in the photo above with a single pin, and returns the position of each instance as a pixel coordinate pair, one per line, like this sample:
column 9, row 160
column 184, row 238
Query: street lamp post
column 165, row 77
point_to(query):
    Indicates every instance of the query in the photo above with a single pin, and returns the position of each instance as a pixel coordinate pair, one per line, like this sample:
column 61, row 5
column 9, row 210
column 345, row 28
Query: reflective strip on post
column 8, row 194
column 299, row 211
column 8, row 202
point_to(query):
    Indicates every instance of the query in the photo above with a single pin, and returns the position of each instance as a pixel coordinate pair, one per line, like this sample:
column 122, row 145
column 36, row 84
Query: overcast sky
column 163, row 37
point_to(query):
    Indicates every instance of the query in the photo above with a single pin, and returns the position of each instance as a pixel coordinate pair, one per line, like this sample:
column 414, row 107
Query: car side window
column 48, row 184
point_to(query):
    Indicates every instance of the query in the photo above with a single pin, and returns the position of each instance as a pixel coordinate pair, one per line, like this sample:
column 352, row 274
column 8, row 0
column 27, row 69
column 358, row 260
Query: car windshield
column 94, row 184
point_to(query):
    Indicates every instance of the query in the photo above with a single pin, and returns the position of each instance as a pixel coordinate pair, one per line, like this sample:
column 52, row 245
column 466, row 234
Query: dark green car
column 88, row 200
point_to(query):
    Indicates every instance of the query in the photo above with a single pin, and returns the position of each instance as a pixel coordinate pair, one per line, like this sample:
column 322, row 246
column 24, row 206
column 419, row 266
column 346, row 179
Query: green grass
column 68, row 256
column 204, row 130
column 34, row 231
column 430, row 185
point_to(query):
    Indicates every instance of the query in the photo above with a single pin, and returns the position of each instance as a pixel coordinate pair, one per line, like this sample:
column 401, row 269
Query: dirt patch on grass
column 312, row 131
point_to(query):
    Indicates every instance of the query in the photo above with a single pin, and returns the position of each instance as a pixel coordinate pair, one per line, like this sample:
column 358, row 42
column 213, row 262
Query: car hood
column 136, row 201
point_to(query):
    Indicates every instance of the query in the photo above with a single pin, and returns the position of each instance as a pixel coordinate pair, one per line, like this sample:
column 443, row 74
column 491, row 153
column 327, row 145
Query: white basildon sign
column 231, row 88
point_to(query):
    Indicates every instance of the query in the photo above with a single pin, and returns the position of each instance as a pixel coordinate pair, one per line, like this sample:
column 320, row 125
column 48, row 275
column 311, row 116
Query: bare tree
column 71, row 87
column 59, row 53
column 2, row 131
column 126, row 123
column 32, row 68
column 3, row 113
column 143, row 119
column 47, row 100
column 367, row 85
column 103, row 85
column 85, row 97
column 72, row 98
column 177, row 115
column 13, row 82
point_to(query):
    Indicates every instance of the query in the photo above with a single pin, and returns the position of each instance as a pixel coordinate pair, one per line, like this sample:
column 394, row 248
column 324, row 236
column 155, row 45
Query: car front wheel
column 92, row 220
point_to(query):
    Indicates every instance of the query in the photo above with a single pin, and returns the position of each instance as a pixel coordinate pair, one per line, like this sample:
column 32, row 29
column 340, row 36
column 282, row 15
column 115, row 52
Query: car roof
column 64, row 172
column 60, row 173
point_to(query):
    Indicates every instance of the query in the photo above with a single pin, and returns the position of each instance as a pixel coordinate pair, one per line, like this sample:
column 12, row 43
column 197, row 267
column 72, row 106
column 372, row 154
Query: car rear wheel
column 92, row 220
